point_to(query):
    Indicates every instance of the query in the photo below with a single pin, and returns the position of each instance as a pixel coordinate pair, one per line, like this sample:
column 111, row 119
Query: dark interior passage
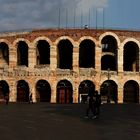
column 87, row 54
column 43, row 52
column 22, row 53
column 131, row 57
column 109, row 58
column 65, row 51
column 4, row 54
column 44, row 90
column 4, row 89
column 22, row 91
column 84, row 88
column 131, row 92
column 108, row 62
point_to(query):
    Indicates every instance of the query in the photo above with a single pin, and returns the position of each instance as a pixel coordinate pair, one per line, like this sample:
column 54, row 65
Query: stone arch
column 130, row 40
column 109, row 34
column 64, row 38
column 131, row 55
column 131, row 92
column 43, row 90
column 109, row 91
column 64, row 93
column 87, row 53
column 15, row 43
column 83, row 90
column 22, row 91
column 42, row 38
column 88, row 38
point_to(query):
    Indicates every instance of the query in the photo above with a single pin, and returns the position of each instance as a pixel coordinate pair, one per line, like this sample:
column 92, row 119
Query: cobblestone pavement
column 44, row 121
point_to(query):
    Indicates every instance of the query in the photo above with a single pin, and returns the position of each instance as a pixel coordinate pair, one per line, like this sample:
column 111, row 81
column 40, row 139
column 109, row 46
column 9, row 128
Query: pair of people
column 94, row 102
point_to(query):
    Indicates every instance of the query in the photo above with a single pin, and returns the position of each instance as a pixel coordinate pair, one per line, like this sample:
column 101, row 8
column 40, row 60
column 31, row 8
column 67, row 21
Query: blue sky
column 31, row 14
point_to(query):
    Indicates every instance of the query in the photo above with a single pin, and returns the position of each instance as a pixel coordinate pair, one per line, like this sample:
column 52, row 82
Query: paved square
column 44, row 121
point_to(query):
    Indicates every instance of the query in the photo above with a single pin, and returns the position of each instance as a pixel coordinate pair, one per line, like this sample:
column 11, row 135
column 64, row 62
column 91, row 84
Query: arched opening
column 44, row 91
column 4, row 54
column 109, row 91
column 131, row 92
column 64, row 54
column 87, row 54
column 109, row 53
column 43, row 53
column 22, row 91
column 64, row 92
column 4, row 90
column 108, row 62
column 131, row 57
column 84, row 88
column 22, row 54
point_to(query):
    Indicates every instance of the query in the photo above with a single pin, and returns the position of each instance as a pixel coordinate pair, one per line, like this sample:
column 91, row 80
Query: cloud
column 18, row 14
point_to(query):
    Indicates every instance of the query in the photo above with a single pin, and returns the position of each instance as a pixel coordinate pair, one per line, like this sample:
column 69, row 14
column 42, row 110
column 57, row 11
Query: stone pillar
column 75, row 93
column 12, row 57
column 53, row 57
column 13, row 92
column 33, row 91
column 98, row 55
column 76, row 72
column 32, row 56
column 120, row 94
column 34, row 96
column 120, row 59
column 75, row 64
column 53, row 93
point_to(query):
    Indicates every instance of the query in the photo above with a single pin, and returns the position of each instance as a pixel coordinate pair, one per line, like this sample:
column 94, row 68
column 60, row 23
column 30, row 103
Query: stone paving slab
column 44, row 121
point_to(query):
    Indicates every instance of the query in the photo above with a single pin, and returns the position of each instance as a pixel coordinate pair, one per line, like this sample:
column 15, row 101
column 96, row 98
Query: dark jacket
column 97, row 100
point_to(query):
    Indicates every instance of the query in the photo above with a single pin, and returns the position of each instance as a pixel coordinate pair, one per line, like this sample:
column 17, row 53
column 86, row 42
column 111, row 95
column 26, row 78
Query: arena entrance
column 84, row 88
column 109, row 92
column 64, row 92
column 44, row 91
column 4, row 90
column 131, row 92
column 22, row 91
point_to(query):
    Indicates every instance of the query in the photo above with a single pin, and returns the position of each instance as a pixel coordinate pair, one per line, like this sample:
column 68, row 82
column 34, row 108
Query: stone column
column 53, row 57
column 53, row 92
column 120, row 94
column 75, row 93
column 75, row 63
column 12, row 57
column 13, row 91
column 76, row 72
column 32, row 56
column 98, row 55
column 120, row 59
column 33, row 91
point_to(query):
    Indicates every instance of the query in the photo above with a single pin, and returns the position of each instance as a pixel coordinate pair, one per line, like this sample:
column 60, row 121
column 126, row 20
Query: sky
column 18, row 15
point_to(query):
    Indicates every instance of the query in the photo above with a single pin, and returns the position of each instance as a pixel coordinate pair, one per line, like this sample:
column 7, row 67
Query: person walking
column 90, row 103
column 30, row 98
column 97, row 104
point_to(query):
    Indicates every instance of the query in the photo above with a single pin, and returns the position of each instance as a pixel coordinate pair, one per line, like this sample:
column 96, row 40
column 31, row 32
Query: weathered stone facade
column 11, row 72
